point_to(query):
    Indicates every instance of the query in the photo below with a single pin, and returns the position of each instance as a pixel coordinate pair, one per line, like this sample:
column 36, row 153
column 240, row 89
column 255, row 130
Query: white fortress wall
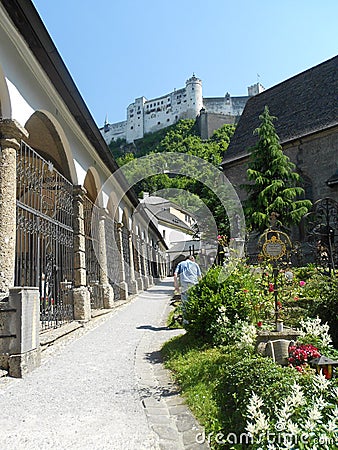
column 147, row 116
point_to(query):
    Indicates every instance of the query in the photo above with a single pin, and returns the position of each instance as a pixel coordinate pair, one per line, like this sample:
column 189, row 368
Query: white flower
column 320, row 382
column 255, row 403
column 334, row 392
column 251, row 428
column 293, row 428
column 334, row 413
column 307, row 425
column 297, row 398
column 331, row 426
column 262, row 423
column 321, row 402
column 314, row 414
column 285, row 411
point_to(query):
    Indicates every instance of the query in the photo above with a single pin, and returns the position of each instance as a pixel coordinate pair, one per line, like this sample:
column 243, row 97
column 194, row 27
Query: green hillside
column 182, row 137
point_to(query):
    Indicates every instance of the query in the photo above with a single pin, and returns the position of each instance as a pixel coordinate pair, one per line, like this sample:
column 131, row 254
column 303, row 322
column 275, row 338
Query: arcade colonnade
column 66, row 229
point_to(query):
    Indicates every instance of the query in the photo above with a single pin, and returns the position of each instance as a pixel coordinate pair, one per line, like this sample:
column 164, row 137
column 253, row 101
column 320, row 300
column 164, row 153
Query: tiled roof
column 304, row 104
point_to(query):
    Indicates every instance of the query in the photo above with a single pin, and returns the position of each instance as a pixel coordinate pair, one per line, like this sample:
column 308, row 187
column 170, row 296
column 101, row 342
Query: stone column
column 139, row 278
column 132, row 282
column 11, row 134
column 81, row 295
column 150, row 258
column 122, row 285
column 144, row 260
column 105, row 287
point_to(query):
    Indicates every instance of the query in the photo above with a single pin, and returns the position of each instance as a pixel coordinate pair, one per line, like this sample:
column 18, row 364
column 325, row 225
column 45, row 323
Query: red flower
column 296, row 298
column 245, row 291
column 279, row 305
column 259, row 324
column 271, row 287
column 301, row 354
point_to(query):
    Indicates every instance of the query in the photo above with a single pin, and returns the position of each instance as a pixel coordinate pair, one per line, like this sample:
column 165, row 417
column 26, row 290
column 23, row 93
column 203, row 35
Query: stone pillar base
column 145, row 282
column 20, row 365
column 150, row 280
column 108, row 296
column 139, row 282
column 123, row 290
column 133, row 287
column 82, row 308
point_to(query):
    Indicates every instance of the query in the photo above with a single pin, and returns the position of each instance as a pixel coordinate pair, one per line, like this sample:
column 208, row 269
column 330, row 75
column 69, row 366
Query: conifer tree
column 275, row 186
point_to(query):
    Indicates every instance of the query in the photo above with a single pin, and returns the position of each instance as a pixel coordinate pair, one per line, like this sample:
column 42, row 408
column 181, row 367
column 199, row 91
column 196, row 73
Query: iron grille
column 44, row 239
column 92, row 242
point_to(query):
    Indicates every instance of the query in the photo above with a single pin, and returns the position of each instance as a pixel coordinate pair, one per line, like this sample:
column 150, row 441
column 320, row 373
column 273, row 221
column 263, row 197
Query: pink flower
column 302, row 283
column 271, row 287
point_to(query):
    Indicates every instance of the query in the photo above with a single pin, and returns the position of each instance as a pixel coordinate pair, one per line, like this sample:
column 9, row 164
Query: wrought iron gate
column 112, row 256
column 126, row 255
column 92, row 242
column 44, row 240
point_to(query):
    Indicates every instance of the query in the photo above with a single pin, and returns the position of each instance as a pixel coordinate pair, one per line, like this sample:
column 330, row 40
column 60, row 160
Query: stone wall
column 210, row 122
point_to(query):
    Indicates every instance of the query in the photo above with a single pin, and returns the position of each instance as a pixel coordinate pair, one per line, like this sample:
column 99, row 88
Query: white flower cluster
column 299, row 419
column 246, row 334
column 314, row 327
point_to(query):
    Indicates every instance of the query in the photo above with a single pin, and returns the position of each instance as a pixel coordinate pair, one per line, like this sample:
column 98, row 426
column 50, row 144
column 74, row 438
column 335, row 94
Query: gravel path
column 106, row 389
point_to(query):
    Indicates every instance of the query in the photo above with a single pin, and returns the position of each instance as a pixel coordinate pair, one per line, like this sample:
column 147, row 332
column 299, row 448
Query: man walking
column 187, row 274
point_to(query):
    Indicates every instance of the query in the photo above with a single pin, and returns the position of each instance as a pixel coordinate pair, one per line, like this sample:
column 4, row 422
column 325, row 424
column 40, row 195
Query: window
column 163, row 232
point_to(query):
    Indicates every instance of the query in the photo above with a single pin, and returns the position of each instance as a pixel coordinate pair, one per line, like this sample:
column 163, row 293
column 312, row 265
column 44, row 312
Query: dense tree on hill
column 183, row 138
column 275, row 186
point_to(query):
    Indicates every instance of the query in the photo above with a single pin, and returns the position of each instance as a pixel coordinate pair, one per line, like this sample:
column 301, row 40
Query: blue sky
column 117, row 50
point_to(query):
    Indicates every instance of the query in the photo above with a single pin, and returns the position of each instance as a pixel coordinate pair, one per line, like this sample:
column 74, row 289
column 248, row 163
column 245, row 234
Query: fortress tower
column 194, row 97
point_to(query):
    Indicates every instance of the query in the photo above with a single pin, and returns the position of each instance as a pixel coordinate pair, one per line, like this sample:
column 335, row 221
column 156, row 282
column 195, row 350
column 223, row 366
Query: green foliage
column 241, row 297
column 180, row 138
column 218, row 382
column 322, row 294
column 274, row 185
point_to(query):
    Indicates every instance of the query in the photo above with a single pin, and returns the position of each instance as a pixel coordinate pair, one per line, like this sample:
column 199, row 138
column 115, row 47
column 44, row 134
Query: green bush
column 218, row 383
column 322, row 294
column 243, row 374
column 242, row 296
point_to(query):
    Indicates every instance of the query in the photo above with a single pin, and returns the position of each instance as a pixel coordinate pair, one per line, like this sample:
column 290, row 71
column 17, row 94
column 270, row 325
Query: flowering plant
column 222, row 240
column 298, row 421
column 301, row 354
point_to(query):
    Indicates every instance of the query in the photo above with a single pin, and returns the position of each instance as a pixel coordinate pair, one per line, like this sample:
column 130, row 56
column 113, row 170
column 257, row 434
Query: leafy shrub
column 243, row 374
column 322, row 293
column 242, row 296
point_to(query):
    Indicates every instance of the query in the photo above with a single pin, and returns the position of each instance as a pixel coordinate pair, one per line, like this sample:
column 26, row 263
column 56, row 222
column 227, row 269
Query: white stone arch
column 92, row 184
column 126, row 218
column 5, row 101
column 112, row 206
column 47, row 137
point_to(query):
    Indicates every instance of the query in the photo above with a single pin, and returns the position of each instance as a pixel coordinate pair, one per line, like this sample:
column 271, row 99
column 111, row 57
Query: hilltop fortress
column 147, row 116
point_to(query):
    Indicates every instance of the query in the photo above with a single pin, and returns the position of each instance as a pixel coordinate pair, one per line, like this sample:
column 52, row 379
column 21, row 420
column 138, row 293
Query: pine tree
column 275, row 186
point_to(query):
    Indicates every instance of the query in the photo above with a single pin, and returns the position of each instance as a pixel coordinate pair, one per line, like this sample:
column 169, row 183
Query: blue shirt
column 188, row 271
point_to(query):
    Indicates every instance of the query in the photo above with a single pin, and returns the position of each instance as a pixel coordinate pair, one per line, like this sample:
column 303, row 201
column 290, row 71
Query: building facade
column 147, row 116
